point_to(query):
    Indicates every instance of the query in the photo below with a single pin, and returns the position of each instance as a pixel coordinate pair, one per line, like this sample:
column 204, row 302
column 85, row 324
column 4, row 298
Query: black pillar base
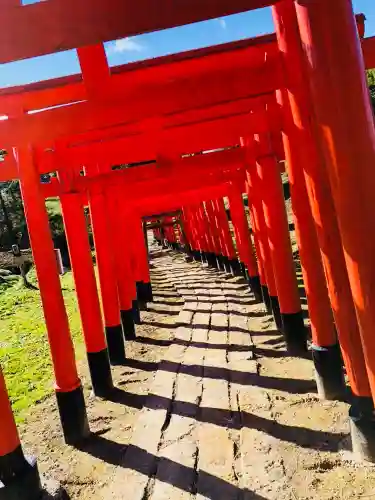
column 128, row 324
column 203, row 257
column 211, row 260
column 215, row 261
column 187, row 249
column 136, row 312
column 254, row 282
column 235, row 267
column 295, row 333
column 266, row 298
column 196, row 255
column 73, row 415
column 275, row 306
column 147, row 290
column 19, row 477
column 329, row 374
column 100, row 371
column 244, row 270
column 140, row 296
column 115, row 344
column 226, row 264
column 221, row 262
column 362, row 427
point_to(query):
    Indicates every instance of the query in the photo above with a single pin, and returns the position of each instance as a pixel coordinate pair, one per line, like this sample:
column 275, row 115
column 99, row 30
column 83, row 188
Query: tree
column 371, row 84
column 12, row 222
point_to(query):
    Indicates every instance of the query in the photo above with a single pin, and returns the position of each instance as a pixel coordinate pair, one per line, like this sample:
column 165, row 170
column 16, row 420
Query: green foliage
column 24, row 348
column 12, row 219
column 371, row 83
column 371, row 77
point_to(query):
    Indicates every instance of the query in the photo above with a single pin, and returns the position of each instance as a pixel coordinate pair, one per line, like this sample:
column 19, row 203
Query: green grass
column 53, row 206
column 24, row 349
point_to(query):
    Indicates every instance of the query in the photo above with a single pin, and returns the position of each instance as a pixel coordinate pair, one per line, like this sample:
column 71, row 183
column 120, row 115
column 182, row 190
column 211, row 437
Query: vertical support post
column 345, row 128
column 144, row 287
column 207, row 237
column 68, row 387
column 19, row 475
column 95, row 70
column 130, row 244
column 308, row 158
column 223, row 257
column 121, row 259
column 257, row 238
column 195, row 234
column 202, row 236
column 107, row 277
column 229, row 252
column 325, row 347
column 87, row 293
column 214, row 233
column 269, row 290
column 244, row 246
column 280, row 248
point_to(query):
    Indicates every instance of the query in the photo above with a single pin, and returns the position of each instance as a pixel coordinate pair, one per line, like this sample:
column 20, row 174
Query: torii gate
column 110, row 101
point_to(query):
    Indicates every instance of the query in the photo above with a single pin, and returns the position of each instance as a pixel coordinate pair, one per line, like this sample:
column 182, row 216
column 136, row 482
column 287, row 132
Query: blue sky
column 159, row 43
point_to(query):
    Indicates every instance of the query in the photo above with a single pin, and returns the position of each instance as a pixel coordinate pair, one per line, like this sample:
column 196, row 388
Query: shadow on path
column 293, row 386
column 168, row 471
column 201, row 345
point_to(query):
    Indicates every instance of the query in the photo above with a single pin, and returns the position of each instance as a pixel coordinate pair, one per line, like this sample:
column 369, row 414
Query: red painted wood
column 9, row 439
column 60, row 341
column 56, row 25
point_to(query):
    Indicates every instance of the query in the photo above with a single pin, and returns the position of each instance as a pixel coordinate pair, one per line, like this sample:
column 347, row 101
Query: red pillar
column 144, row 288
column 208, row 249
column 224, row 229
column 220, row 230
column 244, row 245
column 129, row 252
column 280, row 250
column 107, row 277
column 269, row 290
column 214, row 233
column 325, row 219
column 120, row 250
column 87, row 293
column 188, row 231
column 68, row 387
column 19, row 475
column 308, row 160
column 193, row 224
column 257, row 238
column 347, row 137
column 325, row 348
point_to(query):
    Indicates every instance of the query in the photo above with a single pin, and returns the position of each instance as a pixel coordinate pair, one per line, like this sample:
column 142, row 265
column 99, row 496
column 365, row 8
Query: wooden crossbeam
column 56, row 25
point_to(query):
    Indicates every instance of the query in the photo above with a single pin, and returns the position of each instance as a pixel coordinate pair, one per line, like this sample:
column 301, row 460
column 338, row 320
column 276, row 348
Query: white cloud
column 223, row 23
column 127, row 45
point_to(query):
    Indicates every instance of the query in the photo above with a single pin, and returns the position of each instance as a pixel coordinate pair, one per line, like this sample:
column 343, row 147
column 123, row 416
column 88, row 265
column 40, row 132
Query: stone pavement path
column 229, row 414
column 187, row 441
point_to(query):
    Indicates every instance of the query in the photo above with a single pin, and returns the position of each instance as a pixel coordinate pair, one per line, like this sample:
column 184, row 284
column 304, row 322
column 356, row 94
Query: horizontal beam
column 133, row 81
column 196, row 130
column 135, row 181
column 56, row 25
column 87, row 116
column 186, row 198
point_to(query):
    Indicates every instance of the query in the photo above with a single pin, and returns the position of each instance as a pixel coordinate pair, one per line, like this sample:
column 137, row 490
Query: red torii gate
column 31, row 134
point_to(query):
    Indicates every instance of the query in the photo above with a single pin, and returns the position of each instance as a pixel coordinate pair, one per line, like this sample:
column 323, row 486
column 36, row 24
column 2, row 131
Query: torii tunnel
column 193, row 129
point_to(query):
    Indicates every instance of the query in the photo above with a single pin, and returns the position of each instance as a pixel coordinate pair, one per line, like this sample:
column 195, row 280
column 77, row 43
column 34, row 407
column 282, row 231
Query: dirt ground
column 291, row 445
